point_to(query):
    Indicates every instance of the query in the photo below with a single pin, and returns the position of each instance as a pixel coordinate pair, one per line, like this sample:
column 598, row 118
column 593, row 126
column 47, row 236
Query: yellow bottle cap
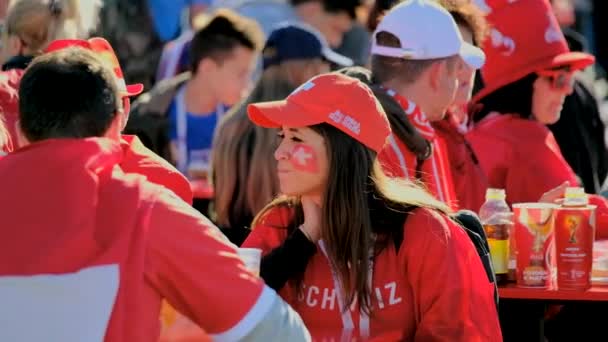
column 575, row 197
column 495, row 194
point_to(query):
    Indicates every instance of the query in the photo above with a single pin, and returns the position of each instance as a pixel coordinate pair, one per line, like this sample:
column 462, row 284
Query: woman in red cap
column 527, row 75
column 361, row 236
column 244, row 170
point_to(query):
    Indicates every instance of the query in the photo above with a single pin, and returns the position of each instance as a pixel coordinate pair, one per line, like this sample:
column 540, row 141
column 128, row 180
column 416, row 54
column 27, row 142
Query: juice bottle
column 495, row 216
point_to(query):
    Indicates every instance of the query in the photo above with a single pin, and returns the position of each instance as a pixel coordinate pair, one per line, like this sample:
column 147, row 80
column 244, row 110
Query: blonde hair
column 38, row 22
column 243, row 164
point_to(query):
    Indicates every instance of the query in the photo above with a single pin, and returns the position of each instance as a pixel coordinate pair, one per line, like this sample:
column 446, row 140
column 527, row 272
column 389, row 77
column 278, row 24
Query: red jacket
column 522, row 157
column 141, row 160
column 9, row 103
column 470, row 182
column 398, row 161
column 88, row 249
column 434, row 288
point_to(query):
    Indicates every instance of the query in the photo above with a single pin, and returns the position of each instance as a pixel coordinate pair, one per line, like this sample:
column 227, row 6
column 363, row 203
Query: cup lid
column 575, row 196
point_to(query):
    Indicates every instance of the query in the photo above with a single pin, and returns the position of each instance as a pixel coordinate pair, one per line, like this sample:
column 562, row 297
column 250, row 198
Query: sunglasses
column 559, row 78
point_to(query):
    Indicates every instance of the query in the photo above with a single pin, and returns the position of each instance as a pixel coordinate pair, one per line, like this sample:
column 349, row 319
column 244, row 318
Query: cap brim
column 472, row 55
column 576, row 60
column 135, row 89
column 276, row 114
column 336, row 58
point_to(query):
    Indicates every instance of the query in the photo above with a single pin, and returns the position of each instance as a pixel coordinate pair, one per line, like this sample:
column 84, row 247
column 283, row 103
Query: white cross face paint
column 304, row 158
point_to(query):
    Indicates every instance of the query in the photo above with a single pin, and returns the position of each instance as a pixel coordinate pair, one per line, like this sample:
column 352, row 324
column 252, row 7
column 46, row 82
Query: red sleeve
column 536, row 170
column 141, row 160
column 192, row 265
column 453, row 297
column 171, row 179
column 270, row 233
column 271, row 230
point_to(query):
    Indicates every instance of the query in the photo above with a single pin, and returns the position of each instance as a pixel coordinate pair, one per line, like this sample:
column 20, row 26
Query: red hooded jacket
column 434, row 288
column 90, row 251
column 522, row 157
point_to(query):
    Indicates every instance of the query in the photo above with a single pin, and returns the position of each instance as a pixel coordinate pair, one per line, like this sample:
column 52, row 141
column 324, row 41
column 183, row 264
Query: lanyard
column 182, row 127
column 347, row 318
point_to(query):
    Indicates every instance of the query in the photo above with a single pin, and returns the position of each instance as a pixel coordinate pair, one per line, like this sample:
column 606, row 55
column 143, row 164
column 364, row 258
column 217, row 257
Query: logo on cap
column 346, row 120
column 502, row 42
column 552, row 34
column 305, row 87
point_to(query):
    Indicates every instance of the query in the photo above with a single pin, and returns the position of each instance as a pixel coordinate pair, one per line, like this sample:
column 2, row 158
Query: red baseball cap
column 518, row 47
column 341, row 101
column 104, row 50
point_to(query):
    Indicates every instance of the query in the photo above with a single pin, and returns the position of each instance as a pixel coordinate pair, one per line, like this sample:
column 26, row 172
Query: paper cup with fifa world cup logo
column 252, row 257
column 534, row 238
column 574, row 237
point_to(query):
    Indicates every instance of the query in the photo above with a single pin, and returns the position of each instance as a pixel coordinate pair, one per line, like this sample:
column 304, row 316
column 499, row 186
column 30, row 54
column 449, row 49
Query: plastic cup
column 252, row 258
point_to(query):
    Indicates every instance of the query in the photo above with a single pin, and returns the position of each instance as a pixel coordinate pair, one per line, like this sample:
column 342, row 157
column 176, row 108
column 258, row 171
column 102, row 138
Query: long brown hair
column 359, row 202
column 243, row 164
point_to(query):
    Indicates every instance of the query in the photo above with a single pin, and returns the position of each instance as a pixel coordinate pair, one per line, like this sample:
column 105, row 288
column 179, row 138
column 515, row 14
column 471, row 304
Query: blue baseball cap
column 291, row 41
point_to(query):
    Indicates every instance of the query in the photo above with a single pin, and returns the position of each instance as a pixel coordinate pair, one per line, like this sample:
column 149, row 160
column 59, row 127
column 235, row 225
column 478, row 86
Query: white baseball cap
column 426, row 30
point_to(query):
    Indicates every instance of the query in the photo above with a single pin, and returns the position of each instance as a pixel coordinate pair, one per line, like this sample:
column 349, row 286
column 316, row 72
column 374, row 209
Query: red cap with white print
column 105, row 52
column 525, row 38
column 341, row 101
column 425, row 30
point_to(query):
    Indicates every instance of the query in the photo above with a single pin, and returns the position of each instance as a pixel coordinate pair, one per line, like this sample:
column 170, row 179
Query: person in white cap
column 417, row 53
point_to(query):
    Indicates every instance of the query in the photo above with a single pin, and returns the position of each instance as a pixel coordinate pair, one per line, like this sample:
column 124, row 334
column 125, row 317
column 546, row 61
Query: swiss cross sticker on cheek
column 304, row 158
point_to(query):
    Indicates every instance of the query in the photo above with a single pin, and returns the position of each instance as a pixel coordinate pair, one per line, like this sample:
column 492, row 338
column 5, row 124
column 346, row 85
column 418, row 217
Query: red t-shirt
column 141, row 160
column 398, row 161
column 433, row 288
column 91, row 251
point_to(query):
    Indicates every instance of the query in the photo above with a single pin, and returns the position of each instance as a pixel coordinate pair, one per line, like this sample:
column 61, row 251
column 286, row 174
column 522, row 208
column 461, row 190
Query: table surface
column 595, row 293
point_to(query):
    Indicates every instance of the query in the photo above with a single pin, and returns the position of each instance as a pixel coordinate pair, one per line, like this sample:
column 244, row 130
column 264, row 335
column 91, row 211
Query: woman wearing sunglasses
column 528, row 74
column 380, row 258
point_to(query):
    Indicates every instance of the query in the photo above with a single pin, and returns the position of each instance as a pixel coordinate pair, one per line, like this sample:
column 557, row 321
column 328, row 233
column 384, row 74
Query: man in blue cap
column 293, row 41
